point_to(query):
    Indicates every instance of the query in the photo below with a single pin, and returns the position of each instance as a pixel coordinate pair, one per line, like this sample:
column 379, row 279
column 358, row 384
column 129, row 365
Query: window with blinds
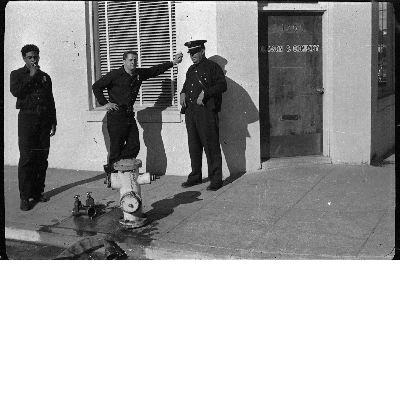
column 147, row 27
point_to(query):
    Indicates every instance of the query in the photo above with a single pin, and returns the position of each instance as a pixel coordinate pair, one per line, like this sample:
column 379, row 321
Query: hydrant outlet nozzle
column 144, row 178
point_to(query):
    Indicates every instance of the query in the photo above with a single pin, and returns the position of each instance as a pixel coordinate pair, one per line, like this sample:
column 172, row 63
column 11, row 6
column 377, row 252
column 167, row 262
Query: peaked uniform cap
column 195, row 45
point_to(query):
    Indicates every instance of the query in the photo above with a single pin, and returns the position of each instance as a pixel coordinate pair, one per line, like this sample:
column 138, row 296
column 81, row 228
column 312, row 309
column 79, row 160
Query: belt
column 128, row 109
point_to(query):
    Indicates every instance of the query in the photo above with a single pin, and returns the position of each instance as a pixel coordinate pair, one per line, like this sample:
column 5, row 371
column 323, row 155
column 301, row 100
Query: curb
column 160, row 250
column 45, row 238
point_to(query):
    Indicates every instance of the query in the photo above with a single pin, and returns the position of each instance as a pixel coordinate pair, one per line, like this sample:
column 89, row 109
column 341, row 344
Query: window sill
column 143, row 114
column 157, row 114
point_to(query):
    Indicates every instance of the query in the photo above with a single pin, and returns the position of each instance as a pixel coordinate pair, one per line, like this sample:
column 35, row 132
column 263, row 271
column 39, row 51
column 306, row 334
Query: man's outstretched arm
column 152, row 72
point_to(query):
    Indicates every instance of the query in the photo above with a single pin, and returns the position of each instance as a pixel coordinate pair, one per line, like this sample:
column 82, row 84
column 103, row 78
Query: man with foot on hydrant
column 123, row 86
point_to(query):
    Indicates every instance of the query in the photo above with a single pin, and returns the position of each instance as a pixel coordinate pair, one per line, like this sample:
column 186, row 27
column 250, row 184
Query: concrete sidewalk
column 294, row 210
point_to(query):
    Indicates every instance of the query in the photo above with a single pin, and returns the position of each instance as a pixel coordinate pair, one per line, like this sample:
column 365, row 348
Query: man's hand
column 33, row 69
column 53, row 130
column 183, row 100
column 200, row 98
column 177, row 58
column 111, row 107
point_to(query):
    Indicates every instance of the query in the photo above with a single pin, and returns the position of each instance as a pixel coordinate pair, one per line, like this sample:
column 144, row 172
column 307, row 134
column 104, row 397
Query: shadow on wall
column 238, row 111
column 156, row 158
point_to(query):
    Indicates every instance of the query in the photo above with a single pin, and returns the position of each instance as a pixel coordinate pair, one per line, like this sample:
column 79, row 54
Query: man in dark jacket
column 123, row 86
column 201, row 99
column 36, row 124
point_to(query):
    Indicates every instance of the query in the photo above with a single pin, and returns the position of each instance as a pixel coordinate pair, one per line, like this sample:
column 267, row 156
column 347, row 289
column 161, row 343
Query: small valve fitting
column 80, row 209
column 89, row 200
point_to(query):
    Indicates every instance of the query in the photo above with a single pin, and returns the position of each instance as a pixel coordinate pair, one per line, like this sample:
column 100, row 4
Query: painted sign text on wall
column 298, row 48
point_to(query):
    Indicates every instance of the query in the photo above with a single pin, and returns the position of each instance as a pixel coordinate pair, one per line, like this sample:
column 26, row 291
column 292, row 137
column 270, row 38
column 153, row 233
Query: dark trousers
column 203, row 133
column 34, row 145
column 124, row 136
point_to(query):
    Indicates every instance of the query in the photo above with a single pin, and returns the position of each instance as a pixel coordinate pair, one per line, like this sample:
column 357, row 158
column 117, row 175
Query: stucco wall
column 231, row 31
column 58, row 29
column 350, row 30
column 237, row 52
column 81, row 141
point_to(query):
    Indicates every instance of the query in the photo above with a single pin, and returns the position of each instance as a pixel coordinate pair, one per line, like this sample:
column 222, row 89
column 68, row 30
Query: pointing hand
column 177, row 58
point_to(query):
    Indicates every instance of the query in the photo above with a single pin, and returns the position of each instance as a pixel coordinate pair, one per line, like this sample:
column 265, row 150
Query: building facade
column 307, row 78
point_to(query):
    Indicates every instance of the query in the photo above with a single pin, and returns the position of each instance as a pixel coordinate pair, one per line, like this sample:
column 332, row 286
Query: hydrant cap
column 128, row 164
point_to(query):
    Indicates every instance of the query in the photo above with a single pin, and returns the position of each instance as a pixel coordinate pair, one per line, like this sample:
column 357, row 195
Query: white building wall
column 231, row 30
column 350, row 31
column 58, row 29
column 237, row 36
column 81, row 141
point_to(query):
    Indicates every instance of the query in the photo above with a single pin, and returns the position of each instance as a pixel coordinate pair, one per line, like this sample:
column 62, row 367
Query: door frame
column 327, row 76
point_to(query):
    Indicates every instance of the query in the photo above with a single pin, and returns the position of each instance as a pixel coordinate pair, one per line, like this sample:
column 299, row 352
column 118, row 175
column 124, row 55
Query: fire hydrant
column 128, row 180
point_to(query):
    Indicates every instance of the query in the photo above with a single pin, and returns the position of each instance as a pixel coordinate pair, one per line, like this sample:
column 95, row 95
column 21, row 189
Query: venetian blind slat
column 157, row 36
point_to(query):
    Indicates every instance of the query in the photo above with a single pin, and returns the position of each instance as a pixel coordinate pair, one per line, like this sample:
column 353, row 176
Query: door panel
column 290, row 62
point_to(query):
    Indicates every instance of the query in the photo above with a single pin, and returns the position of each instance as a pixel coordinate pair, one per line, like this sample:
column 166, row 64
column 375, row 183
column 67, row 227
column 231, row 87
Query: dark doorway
column 290, row 70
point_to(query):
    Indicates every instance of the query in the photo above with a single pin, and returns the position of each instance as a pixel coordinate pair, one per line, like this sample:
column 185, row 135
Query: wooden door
column 290, row 67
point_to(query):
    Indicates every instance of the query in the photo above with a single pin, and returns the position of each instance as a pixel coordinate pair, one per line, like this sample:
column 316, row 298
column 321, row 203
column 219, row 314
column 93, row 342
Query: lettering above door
column 286, row 28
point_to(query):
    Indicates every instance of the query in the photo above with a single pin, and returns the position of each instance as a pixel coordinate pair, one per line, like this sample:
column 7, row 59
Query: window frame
column 97, row 73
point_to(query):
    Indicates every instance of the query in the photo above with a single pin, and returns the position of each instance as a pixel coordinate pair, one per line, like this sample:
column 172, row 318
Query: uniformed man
column 123, row 86
column 36, row 124
column 201, row 99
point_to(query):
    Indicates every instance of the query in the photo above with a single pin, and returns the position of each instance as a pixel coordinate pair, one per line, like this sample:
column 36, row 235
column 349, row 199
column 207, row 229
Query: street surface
column 17, row 250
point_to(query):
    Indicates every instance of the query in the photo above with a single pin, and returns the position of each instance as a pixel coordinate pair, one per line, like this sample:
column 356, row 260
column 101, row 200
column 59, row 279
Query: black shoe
column 108, row 169
column 214, row 186
column 190, row 183
column 41, row 199
column 24, row 206
column 107, row 181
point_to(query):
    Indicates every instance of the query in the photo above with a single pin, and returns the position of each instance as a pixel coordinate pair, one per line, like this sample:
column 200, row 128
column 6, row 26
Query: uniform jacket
column 213, row 82
column 33, row 91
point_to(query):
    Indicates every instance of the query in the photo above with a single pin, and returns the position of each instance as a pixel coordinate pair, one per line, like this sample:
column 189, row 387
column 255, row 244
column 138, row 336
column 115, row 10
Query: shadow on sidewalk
column 383, row 160
column 61, row 189
column 160, row 210
column 163, row 208
column 232, row 178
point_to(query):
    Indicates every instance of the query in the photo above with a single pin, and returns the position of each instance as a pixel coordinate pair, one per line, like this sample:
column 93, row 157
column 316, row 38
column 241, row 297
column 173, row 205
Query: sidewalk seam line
column 373, row 230
column 302, row 197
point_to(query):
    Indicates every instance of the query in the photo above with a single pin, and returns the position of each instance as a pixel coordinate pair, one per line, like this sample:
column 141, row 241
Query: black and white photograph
column 153, row 130
column 239, row 158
